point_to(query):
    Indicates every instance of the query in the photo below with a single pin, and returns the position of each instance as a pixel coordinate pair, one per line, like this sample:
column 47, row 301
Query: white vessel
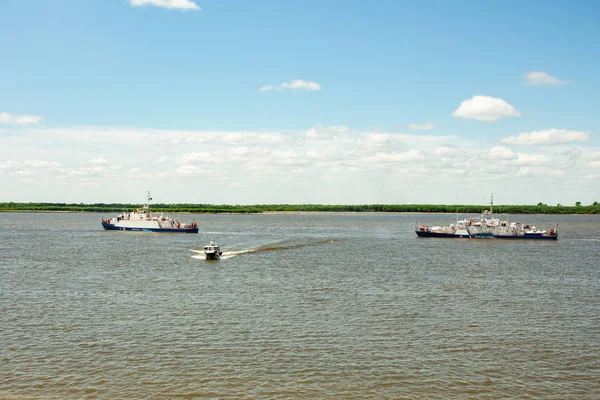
column 212, row 251
column 142, row 220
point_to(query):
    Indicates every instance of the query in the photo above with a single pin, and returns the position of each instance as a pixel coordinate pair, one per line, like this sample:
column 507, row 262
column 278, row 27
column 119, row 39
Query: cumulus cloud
column 98, row 161
column 445, row 151
column 41, row 164
column 234, row 138
column 296, row 84
column 194, row 158
column 172, row 4
column 592, row 155
column 90, row 171
column 11, row 119
column 31, row 167
column 422, row 127
column 383, row 140
column 379, row 157
column 378, row 138
column 538, row 171
column 190, row 170
column 527, row 159
column 344, row 164
column 547, row 137
column 501, row 153
column 327, row 132
column 485, row 108
column 537, row 78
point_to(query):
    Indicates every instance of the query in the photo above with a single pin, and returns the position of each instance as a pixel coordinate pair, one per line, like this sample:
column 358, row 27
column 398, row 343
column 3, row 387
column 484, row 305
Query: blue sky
column 393, row 101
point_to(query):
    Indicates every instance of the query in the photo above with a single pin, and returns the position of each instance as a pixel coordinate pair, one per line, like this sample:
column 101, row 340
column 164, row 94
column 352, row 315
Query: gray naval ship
column 487, row 226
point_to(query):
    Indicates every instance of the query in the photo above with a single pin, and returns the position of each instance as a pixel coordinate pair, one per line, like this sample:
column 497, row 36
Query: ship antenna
column 147, row 205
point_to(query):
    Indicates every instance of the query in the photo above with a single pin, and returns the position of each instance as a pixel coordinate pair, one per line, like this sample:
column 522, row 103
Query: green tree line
column 540, row 208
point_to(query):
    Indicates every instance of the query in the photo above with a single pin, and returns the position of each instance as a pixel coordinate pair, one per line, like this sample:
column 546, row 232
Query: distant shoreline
column 288, row 212
column 291, row 209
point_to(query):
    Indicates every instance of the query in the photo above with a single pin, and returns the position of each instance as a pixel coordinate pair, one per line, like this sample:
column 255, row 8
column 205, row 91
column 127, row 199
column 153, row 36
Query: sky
column 281, row 101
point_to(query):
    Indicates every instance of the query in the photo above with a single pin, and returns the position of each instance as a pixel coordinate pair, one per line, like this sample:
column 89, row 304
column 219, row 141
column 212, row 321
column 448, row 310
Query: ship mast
column 492, row 204
column 146, row 207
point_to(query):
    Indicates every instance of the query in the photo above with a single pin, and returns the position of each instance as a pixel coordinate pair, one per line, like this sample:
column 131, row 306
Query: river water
column 302, row 306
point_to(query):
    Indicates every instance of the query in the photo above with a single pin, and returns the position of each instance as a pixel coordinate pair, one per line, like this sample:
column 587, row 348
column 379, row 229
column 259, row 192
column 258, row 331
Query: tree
column 577, row 204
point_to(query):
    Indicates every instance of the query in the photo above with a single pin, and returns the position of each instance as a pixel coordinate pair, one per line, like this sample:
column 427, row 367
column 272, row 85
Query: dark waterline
column 304, row 306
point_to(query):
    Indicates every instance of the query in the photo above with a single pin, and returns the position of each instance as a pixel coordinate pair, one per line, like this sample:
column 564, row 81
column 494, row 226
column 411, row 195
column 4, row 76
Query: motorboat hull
column 212, row 256
column 212, row 251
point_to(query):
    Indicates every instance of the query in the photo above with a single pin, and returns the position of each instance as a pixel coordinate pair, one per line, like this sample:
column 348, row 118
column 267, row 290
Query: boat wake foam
column 285, row 245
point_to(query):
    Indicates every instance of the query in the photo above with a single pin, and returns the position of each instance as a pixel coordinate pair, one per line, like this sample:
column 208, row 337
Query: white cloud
column 378, row 139
column 537, row 78
column 172, row 4
column 535, row 171
column 190, row 170
column 592, row 155
column 238, row 151
column 266, row 88
column 425, row 140
column 41, row 164
column 592, row 177
column 412, row 155
column 90, row 172
column 422, row 127
column 31, row 167
column 530, row 159
column 98, row 161
column 194, row 158
column 296, row 84
column 389, row 141
column 249, row 138
column 10, row 119
column 327, row 132
column 547, row 137
column 501, row 153
column 344, row 165
column 485, row 108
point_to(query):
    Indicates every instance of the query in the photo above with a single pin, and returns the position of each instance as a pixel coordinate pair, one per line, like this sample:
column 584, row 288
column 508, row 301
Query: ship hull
column 527, row 237
column 485, row 235
column 112, row 227
column 441, row 235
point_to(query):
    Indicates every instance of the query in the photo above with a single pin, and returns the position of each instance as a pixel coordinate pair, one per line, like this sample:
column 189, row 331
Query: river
column 307, row 305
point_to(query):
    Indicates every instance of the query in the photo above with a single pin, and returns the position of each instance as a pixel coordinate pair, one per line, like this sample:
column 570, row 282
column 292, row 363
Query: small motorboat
column 212, row 251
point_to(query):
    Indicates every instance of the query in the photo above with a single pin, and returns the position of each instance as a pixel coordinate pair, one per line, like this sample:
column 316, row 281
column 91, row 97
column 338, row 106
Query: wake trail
column 285, row 245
